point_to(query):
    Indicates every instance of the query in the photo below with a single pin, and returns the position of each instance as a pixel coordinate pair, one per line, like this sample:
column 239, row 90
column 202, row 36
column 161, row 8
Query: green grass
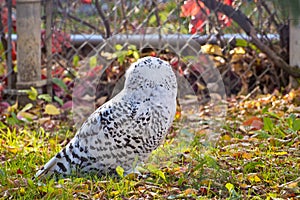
column 244, row 164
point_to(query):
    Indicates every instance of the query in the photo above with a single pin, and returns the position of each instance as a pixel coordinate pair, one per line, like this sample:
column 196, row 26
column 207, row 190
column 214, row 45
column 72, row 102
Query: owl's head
column 150, row 72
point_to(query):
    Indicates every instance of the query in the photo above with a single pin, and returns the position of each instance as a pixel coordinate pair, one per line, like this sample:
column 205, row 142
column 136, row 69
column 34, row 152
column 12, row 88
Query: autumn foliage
column 199, row 14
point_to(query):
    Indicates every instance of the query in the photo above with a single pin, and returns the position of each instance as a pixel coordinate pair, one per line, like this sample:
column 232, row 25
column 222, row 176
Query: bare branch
column 84, row 22
column 104, row 20
column 62, row 11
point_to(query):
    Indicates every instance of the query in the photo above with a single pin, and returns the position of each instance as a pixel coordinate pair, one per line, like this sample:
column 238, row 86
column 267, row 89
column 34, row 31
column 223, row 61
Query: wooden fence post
column 29, row 47
column 48, row 9
column 295, row 42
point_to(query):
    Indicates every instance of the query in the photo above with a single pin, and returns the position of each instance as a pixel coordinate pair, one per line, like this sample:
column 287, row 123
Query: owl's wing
column 94, row 142
column 116, row 132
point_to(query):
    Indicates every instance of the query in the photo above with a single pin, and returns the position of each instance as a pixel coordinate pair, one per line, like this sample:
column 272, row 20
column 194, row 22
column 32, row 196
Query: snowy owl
column 125, row 130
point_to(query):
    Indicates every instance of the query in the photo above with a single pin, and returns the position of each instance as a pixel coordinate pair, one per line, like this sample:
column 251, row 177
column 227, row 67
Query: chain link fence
column 90, row 38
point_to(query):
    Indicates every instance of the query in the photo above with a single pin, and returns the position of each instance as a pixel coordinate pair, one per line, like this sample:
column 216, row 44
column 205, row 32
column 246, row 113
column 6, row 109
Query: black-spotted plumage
column 126, row 129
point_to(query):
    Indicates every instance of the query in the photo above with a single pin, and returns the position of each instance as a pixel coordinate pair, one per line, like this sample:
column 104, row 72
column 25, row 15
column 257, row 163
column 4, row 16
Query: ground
column 256, row 156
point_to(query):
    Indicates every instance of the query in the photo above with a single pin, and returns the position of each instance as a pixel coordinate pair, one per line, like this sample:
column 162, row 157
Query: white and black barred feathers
column 126, row 129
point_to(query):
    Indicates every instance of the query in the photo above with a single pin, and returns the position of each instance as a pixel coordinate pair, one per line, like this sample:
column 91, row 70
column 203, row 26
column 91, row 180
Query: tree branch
column 104, row 20
column 64, row 12
column 244, row 22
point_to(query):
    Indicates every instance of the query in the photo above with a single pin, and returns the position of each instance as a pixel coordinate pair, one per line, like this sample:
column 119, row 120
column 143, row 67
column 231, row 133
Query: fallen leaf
column 120, row 171
column 13, row 107
column 43, row 120
column 13, row 149
column 190, row 191
column 212, row 49
column 247, row 155
column 114, row 193
column 254, row 122
column 229, row 187
column 22, row 190
column 237, row 155
column 27, row 107
column 67, row 106
column 281, row 153
column 293, row 185
column 3, row 106
column 178, row 115
column 51, row 110
column 25, row 115
column 244, row 186
column 32, row 93
column 238, row 50
column 19, row 171
column 253, row 178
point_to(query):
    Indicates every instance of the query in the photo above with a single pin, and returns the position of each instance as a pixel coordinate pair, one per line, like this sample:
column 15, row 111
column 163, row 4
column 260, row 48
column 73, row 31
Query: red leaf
column 199, row 14
column 190, row 8
column 228, row 2
column 95, row 71
column 19, row 171
column 86, row 1
column 254, row 122
column 198, row 22
column 49, row 125
column 203, row 190
column 3, row 106
column 4, row 14
column 13, row 51
column 67, row 106
column 60, row 40
column 58, row 71
column 153, row 54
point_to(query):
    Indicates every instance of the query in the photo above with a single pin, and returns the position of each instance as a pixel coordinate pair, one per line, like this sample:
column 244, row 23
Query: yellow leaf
column 257, row 179
column 51, row 110
column 244, row 186
column 190, row 191
column 206, row 182
column 247, row 155
column 212, row 49
column 67, row 79
column 293, row 185
column 120, row 171
column 26, row 115
column 42, row 120
column 236, row 57
column 108, row 55
column 27, row 107
column 13, row 149
column 93, row 62
column 226, row 137
column 229, row 187
column 52, row 141
column 136, row 55
column 15, row 68
column 22, row 191
column 99, row 195
column 32, row 93
column 253, row 178
column 238, row 50
column 281, row 153
column 291, row 95
column 240, row 177
column 114, row 193
column 271, row 196
column 178, row 115
column 13, row 107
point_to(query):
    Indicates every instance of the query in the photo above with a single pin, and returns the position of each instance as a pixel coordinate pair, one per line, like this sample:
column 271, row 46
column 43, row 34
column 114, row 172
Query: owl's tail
column 59, row 165
column 47, row 169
